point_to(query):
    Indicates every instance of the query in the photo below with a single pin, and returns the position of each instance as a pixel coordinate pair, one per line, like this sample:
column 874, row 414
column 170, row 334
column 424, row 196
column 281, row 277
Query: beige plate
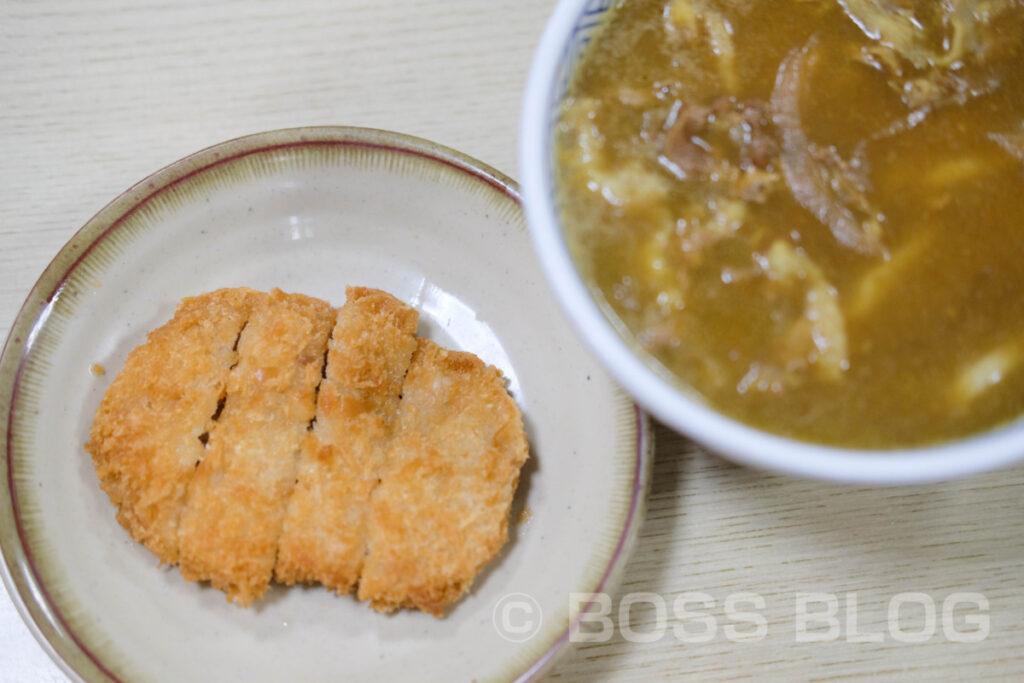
column 308, row 210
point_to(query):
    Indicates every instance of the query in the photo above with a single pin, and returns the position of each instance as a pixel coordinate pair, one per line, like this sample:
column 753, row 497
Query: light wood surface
column 96, row 95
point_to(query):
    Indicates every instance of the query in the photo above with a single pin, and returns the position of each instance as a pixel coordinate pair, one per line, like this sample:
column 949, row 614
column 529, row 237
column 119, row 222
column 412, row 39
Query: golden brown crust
column 369, row 353
column 144, row 439
column 233, row 517
column 441, row 510
column 403, row 485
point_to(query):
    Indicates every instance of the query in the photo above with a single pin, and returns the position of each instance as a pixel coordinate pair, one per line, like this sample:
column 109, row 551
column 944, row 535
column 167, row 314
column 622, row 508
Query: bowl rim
column 735, row 440
column 28, row 592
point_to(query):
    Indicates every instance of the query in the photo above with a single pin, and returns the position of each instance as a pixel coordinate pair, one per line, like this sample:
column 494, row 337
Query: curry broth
column 818, row 230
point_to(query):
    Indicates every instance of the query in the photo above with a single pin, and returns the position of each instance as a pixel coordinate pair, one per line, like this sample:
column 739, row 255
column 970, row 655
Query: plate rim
column 26, row 589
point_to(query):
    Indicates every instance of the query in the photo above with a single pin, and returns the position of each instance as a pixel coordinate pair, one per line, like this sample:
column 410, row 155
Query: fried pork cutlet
column 369, row 353
column 145, row 438
column 441, row 510
column 229, row 530
column 402, row 484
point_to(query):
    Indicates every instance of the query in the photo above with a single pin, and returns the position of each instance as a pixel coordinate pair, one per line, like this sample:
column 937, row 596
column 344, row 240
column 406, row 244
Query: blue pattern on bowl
column 591, row 17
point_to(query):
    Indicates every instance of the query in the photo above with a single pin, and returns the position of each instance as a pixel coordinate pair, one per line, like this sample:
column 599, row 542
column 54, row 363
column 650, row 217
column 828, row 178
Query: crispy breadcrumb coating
column 207, row 444
column 441, row 510
column 145, row 438
column 237, row 500
column 370, row 350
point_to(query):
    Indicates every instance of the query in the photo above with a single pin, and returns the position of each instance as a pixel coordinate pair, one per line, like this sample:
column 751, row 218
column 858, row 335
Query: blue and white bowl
column 566, row 36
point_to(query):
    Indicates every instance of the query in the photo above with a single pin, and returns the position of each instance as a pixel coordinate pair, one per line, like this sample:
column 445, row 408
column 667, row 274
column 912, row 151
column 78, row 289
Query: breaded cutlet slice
column 145, row 437
column 236, row 503
column 441, row 510
column 369, row 353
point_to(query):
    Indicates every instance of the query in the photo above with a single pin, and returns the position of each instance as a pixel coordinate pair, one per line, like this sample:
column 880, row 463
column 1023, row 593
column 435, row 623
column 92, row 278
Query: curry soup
column 811, row 212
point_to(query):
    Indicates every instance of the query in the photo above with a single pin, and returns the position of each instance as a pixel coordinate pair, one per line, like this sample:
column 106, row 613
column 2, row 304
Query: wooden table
column 94, row 96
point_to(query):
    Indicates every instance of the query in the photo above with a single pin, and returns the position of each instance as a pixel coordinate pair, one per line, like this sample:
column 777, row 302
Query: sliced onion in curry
column 809, row 180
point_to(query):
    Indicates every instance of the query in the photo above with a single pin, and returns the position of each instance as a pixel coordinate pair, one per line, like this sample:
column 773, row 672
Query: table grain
column 96, row 95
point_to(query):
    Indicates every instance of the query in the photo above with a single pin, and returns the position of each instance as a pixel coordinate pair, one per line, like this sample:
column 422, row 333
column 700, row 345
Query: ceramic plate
column 308, row 210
